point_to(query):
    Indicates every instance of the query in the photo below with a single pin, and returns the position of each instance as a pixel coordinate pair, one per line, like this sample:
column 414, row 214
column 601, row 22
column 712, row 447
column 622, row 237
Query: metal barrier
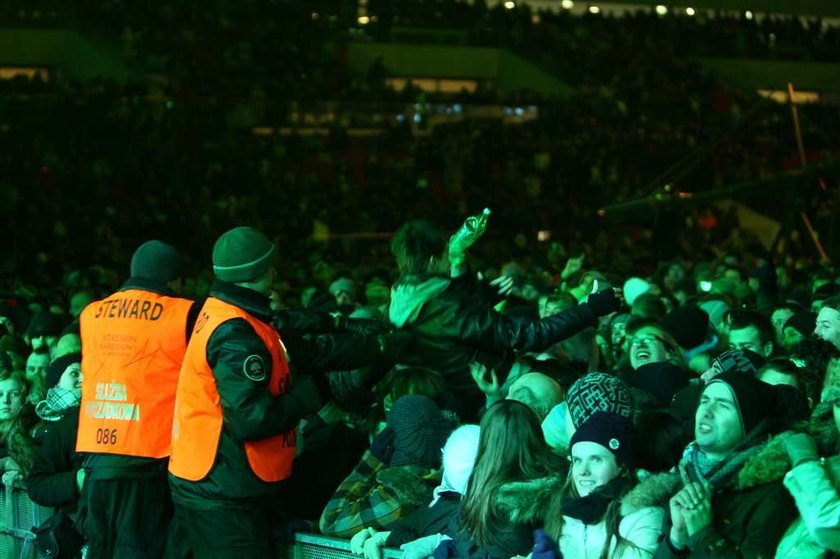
column 18, row 515
column 313, row 546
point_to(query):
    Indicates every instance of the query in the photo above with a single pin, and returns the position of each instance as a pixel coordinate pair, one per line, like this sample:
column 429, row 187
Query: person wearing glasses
column 648, row 342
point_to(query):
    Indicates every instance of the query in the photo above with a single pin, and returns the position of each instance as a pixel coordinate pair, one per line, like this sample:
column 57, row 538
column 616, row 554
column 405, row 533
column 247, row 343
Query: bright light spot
column 594, row 10
column 661, row 10
column 748, row 14
column 567, row 4
column 364, row 20
column 543, row 236
column 315, row 15
column 510, row 5
column 417, row 118
column 690, row 11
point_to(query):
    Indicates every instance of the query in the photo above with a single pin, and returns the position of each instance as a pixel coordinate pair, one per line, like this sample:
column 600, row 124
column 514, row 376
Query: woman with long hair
column 514, row 476
column 589, row 517
column 17, row 420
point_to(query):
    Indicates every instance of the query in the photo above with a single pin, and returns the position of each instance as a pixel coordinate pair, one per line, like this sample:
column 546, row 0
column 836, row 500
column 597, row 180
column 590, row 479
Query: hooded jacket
column 750, row 513
column 641, row 525
column 451, row 324
column 52, row 480
column 815, row 487
column 641, row 529
column 520, row 508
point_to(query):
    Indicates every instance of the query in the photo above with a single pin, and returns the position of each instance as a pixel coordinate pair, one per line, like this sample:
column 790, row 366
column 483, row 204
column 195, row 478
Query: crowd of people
column 543, row 382
column 698, row 407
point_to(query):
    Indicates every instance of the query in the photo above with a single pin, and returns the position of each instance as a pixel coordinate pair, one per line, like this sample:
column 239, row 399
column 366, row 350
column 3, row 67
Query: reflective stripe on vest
column 133, row 345
column 198, row 411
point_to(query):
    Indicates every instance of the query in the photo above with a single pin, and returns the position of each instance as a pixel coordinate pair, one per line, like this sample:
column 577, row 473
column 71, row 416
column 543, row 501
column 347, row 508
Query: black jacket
column 425, row 521
column 519, row 509
column 52, row 480
column 116, row 466
column 249, row 410
column 451, row 323
column 750, row 513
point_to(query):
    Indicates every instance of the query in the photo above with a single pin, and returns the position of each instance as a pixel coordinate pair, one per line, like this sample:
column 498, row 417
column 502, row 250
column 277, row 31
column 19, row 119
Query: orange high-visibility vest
column 133, row 344
column 198, row 411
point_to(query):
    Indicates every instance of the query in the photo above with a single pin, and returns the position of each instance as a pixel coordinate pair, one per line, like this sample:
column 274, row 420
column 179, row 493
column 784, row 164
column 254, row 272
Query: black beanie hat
column 688, row 326
column 744, row 361
column 45, row 323
column 756, row 400
column 610, row 430
column 420, row 431
column 57, row 368
column 156, row 260
column 242, row 254
column 803, row 322
column 661, row 380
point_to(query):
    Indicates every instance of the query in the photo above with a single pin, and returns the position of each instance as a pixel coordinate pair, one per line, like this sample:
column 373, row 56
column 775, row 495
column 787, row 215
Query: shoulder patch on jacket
column 254, row 368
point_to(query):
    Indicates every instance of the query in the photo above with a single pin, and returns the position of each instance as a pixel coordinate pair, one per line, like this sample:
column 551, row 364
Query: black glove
column 392, row 346
column 603, row 302
column 382, row 446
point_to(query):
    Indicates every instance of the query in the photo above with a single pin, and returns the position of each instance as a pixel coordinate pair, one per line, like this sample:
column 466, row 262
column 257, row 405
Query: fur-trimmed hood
column 769, row 464
column 653, row 491
column 772, row 462
column 526, row 501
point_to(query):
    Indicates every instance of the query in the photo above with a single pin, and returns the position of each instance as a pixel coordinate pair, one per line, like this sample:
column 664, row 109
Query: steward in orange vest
column 134, row 343
column 233, row 437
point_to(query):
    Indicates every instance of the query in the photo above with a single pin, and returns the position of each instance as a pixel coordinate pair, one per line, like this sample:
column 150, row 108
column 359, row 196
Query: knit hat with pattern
column 420, row 431
column 598, row 392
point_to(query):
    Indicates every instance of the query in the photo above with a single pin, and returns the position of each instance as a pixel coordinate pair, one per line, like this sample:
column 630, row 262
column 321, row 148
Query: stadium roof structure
column 825, row 8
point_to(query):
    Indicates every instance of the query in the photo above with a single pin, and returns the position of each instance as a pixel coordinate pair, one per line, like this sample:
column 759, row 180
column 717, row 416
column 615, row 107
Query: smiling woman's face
column 593, row 465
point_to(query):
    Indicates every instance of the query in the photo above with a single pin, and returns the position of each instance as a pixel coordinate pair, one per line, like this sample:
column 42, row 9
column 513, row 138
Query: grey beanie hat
column 420, row 431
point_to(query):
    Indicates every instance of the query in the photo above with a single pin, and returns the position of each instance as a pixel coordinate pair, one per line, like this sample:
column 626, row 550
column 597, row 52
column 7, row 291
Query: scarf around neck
column 58, row 400
column 718, row 473
column 592, row 508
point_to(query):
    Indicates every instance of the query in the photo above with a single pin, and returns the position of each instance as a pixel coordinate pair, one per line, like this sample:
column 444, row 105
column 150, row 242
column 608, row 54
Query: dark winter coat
column 451, row 324
column 249, row 410
column 52, row 480
column 750, row 514
column 520, row 508
column 425, row 521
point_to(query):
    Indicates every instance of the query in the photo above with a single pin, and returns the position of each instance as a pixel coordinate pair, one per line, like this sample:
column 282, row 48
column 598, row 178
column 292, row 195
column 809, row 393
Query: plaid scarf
column 58, row 400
